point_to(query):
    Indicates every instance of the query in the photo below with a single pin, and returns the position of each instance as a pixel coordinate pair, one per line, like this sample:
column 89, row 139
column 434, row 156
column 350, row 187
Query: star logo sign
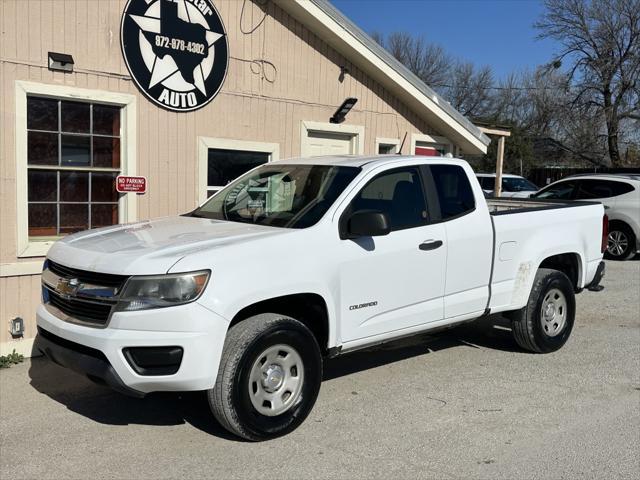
column 176, row 51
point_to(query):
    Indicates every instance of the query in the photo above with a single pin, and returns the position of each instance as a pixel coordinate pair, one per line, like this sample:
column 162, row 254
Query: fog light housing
column 154, row 360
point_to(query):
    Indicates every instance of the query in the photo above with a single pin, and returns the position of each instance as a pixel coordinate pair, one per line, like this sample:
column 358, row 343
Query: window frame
column 127, row 204
column 392, row 142
column 354, row 132
column 432, row 140
column 205, row 143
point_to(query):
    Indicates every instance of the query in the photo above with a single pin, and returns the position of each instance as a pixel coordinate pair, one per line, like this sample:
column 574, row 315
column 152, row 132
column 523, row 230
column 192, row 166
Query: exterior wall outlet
column 16, row 327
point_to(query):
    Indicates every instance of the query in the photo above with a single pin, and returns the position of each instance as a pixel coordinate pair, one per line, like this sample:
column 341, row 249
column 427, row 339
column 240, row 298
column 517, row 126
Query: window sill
column 36, row 249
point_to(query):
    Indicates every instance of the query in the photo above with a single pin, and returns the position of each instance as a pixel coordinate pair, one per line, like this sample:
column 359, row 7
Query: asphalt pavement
column 462, row 404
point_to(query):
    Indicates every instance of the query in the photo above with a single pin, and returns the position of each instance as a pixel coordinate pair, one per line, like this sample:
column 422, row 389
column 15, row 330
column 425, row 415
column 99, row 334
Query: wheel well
column 308, row 308
column 619, row 223
column 567, row 263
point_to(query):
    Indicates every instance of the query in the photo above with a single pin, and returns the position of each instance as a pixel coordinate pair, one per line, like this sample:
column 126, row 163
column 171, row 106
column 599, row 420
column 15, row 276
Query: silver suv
column 620, row 195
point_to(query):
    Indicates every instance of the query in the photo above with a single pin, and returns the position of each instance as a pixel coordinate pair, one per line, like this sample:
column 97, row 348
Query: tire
column 268, row 379
column 621, row 243
column 545, row 323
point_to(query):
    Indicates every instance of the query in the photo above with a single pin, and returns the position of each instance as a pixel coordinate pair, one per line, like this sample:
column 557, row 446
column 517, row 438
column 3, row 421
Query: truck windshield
column 289, row 196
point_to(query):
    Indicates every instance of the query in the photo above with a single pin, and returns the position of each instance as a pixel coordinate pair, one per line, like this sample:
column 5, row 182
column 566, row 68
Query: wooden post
column 498, row 186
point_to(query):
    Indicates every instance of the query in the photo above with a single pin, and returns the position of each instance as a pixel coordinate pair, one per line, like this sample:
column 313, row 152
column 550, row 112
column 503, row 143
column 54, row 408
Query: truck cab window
column 397, row 193
column 454, row 190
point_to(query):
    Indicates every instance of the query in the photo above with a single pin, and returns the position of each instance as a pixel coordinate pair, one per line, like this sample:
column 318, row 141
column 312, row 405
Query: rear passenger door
column 392, row 282
column 469, row 238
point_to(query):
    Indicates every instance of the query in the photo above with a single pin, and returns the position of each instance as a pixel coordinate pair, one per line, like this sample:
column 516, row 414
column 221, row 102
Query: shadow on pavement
column 481, row 333
column 102, row 405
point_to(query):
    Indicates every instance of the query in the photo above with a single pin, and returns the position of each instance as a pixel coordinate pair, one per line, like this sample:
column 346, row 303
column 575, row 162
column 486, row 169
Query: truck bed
column 505, row 206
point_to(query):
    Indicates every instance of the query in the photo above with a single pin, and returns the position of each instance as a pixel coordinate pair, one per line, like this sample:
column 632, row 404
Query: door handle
column 430, row 244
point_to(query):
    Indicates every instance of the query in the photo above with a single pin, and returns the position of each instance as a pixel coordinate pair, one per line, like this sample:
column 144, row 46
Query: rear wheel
column 545, row 323
column 621, row 243
column 268, row 379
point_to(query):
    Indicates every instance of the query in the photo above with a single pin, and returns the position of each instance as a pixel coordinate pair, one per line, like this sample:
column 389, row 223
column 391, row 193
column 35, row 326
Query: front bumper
column 84, row 360
column 100, row 353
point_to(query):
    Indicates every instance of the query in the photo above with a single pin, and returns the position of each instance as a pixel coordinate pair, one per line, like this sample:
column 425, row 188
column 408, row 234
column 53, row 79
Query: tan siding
column 249, row 107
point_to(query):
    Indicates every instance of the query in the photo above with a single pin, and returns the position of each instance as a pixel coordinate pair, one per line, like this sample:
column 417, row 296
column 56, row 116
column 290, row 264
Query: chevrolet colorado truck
column 303, row 259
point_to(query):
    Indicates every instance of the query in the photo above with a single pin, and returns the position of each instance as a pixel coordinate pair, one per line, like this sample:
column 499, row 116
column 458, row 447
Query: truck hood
column 153, row 246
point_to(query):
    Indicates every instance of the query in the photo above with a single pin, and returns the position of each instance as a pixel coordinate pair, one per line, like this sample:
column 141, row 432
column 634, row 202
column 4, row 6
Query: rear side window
column 561, row 191
column 454, row 190
column 397, row 193
column 592, row 189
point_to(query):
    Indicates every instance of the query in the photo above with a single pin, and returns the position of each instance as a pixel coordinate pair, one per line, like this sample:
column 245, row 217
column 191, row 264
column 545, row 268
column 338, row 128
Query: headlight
column 157, row 291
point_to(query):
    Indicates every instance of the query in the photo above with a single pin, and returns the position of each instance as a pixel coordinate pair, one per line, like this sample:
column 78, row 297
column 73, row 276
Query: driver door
column 392, row 282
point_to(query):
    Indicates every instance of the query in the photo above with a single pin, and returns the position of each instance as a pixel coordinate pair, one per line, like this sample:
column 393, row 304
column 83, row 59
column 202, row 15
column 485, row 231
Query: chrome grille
column 105, row 279
column 96, row 313
column 80, row 296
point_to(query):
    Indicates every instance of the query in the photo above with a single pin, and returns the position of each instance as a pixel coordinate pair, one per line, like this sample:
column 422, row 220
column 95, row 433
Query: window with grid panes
column 73, row 158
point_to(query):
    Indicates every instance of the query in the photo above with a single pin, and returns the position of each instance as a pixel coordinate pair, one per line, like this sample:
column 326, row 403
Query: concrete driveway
column 466, row 403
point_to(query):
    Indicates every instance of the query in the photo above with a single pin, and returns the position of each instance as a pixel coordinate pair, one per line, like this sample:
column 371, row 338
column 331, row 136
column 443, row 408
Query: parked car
column 303, row 259
column 620, row 195
column 513, row 186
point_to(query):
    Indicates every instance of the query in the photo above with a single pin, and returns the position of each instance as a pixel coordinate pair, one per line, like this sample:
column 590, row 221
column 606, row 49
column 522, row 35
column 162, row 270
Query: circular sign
column 176, row 51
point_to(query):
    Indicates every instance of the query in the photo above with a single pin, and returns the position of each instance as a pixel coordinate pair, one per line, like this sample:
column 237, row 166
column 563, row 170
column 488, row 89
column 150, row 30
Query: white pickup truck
column 305, row 258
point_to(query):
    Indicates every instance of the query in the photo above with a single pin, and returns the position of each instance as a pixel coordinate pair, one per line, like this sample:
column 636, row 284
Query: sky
column 498, row 33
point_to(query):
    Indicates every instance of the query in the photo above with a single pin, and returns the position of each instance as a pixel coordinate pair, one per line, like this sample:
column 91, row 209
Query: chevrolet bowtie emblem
column 68, row 286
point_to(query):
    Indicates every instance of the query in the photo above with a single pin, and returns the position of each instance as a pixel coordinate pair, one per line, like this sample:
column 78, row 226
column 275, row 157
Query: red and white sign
column 128, row 184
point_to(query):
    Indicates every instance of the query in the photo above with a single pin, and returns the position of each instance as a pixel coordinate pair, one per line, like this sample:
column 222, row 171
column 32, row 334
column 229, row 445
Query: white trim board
column 387, row 141
column 128, row 203
column 18, row 269
column 205, row 143
column 432, row 139
column 356, row 132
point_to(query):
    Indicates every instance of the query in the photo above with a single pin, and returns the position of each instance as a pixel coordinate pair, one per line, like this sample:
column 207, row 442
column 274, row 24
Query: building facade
column 149, row 105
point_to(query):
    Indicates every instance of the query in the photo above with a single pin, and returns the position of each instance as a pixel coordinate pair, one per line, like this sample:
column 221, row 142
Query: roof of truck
column 362, row 160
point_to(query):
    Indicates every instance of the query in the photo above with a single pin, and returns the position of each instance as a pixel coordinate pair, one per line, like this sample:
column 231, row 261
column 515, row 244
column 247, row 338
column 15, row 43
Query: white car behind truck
column 306, row 258
column 620, row 195
column 513, row 186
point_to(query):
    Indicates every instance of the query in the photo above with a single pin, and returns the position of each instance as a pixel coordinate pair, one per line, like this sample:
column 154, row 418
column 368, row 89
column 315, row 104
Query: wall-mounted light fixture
column 16, row 327
column 342, row 110
column 344, row 71
column 60, row 62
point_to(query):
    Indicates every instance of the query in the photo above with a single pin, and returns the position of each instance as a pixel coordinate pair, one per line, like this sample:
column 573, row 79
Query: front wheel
column 545, row 323
column 268, row 379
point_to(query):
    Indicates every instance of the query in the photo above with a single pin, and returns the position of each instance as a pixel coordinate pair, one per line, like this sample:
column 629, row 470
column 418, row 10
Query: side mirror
column 367, row 223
